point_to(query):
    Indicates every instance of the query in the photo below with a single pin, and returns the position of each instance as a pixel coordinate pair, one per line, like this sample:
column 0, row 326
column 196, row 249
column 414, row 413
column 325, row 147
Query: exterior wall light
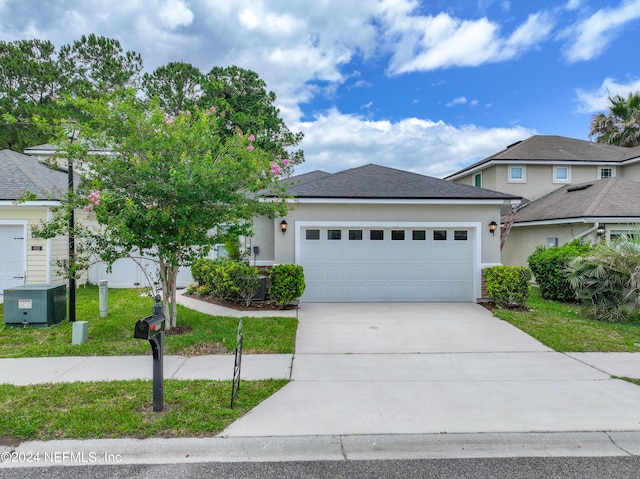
column 493, row 226
column 601, row 231
column 283, row 226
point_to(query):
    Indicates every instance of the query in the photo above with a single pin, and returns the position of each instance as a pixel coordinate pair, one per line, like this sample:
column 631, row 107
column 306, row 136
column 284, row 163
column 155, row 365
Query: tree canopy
column 33, row 75
column 165, row 184
column 622, row 125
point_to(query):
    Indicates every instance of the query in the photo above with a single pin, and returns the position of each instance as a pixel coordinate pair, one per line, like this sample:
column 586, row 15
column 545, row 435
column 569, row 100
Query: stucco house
column 594, row 211
column 541, row 164
column 565, row 182
column 25, row 259
column 374, row 233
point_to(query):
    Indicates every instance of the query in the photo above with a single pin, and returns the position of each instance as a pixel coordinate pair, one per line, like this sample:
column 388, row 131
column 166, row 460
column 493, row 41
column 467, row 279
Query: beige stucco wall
column 284, row 245
column 539, row 178
column 522, row 241
column 631, row 172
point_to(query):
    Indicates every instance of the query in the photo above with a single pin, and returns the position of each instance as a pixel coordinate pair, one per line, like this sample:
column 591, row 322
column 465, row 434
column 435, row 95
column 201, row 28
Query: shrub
column 548, row 267
column 286, row 283
column 608, row 279
column 216, row 277
column 246, row 280
column 509, row 285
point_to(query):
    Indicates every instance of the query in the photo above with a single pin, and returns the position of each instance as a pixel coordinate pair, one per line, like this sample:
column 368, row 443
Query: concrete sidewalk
column 107, row 368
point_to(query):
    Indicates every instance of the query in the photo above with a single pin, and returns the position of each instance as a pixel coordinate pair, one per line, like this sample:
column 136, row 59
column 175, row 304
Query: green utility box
column 36, row 305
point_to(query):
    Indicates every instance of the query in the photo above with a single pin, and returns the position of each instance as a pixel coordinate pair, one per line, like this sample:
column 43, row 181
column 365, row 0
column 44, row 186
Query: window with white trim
column 606, row 172
column 517, row 174
column 561, row 174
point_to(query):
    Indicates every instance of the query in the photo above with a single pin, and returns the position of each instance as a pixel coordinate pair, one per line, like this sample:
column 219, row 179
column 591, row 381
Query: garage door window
column 419, row 235
column 460, row 235
column 313, row 234
column 439, row 235
column 334, row 234
column 397, row 235
column 376, row 235
column 355, row 235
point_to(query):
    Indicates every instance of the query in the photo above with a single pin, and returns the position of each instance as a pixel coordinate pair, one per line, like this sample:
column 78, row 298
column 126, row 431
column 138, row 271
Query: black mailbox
column 149, row 327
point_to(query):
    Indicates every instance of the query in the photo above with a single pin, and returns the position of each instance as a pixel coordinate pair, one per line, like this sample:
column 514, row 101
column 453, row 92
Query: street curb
column 320, row 448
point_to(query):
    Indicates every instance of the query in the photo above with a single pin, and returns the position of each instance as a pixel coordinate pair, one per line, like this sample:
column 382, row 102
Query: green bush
column 286, row 283
column 509, row 285
column 548, row 266
column 246, row 280
column 608, row 279
column 225, row 279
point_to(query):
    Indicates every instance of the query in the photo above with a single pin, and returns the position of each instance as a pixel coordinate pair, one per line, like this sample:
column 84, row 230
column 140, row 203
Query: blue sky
column 426, row 86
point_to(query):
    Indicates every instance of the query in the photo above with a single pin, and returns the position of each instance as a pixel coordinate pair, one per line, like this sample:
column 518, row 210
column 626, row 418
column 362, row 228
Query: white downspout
column 590, row 230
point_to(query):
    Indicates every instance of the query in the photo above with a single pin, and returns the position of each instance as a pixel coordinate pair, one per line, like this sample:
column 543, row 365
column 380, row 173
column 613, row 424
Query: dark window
column 460, row 235
column 397, row 235
column 313, row 234
column 376, row 235
column 355, row 234
column 439, row 235
column 334, row 234
column 419, row 235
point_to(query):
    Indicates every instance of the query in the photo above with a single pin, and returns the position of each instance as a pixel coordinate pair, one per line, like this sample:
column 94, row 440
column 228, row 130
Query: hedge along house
column 25, row 259
column 374, row 233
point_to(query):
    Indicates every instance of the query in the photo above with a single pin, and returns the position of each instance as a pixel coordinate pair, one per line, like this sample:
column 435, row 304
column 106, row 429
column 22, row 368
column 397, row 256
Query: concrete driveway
column 412, row 368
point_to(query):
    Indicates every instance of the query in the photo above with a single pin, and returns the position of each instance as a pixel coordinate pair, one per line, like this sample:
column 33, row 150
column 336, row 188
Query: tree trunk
column 169, row 277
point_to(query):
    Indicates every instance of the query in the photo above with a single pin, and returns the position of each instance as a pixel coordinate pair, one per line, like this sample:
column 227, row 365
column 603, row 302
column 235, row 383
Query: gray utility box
column 36, row 305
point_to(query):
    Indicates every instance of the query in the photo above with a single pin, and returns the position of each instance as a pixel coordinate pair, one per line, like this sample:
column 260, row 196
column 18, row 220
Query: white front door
column 12, row 256
column 395, row 264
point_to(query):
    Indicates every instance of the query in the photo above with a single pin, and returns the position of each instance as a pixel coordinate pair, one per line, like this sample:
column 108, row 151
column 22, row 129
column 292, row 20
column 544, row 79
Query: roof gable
column 380, row 182
column 554, row 148
column 611, row 197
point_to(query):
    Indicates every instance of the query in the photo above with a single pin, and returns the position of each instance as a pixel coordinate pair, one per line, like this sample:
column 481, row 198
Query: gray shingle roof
column 374, row 181
column 611, row 197
column 558, row 148
column 22, row 173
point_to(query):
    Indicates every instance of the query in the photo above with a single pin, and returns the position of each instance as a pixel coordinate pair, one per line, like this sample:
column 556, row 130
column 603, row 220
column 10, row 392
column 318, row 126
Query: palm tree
column 622, row 126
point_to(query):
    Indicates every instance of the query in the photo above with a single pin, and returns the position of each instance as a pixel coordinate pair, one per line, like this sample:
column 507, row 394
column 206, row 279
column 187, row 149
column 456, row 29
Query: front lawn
column 566, row 328
column 113, row 335
column 119, row 409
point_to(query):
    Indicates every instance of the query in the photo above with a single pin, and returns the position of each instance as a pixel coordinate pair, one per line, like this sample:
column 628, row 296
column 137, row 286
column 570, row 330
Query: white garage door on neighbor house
column 12, row 256
column 391, row 263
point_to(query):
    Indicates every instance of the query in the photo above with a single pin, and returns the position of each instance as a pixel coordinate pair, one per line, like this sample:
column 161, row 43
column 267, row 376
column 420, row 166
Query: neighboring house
column 125, row 273
column 595, row 210
column 541, row 164
column 380, row 234
column 25, row 259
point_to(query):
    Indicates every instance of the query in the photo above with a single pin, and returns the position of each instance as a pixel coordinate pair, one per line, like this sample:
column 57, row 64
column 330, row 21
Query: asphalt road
column 496, row 468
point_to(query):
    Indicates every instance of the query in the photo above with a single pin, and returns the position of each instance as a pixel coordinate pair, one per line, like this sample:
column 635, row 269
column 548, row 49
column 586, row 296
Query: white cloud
column 423, row 43
column 592, row 101
column 336, row 141
column 457, row 101
column 174, row 14
column 589, row 38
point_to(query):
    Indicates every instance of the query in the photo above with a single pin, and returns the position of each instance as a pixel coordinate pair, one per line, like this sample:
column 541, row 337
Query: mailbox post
column 151, row 328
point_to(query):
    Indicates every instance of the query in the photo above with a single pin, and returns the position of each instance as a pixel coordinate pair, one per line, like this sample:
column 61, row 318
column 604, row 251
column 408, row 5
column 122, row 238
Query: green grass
column 124, row 409
column 566, row 327
column 113, row 335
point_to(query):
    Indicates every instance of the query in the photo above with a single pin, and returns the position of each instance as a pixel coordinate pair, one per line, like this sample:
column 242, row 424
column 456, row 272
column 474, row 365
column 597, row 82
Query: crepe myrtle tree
column 167, row 182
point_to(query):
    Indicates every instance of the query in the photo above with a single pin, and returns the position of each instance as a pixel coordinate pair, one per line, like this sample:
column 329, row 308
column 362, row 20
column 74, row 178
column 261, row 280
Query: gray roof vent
column 579, row 187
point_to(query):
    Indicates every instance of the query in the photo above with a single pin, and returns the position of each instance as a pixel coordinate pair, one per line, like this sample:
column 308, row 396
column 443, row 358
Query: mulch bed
column 262, row 306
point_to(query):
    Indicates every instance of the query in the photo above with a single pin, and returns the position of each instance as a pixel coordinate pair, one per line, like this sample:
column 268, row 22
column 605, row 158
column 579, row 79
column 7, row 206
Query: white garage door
column 12, row 253
column 395, row 264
